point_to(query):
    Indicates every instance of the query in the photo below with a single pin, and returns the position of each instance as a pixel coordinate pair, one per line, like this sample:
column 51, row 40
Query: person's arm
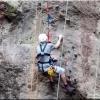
column 57, row 45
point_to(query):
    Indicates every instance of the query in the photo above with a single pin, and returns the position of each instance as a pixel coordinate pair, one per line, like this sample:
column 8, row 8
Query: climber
column 44, row 59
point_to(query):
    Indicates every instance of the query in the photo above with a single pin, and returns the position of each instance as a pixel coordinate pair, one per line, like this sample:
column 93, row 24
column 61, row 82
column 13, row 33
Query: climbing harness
column 41, row 56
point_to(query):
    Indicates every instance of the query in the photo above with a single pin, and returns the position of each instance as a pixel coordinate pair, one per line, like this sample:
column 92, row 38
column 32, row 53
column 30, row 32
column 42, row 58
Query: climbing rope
column 48, row 20
column 62, row 50
column 39, row 16
column 30, row 80
column 37, row 31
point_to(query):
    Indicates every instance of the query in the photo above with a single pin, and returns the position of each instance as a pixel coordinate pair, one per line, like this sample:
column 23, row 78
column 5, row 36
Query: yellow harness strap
column 50, row 71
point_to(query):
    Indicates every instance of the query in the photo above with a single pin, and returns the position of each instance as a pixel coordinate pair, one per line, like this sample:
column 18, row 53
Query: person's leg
column 61, row 71
column 63, row 78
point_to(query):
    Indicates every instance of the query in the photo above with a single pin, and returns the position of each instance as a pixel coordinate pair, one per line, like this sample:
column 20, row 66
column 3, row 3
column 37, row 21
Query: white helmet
column 42, row 37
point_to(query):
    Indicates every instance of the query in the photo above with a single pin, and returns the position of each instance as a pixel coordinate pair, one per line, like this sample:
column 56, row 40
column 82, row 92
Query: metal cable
column 62, row 49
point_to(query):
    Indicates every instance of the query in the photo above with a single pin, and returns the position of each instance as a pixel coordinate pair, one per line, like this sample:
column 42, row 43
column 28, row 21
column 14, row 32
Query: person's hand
column 59, row 42
column 60, row 37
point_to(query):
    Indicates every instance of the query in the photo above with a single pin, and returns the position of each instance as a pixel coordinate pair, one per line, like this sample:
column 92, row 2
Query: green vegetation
column 9, row 12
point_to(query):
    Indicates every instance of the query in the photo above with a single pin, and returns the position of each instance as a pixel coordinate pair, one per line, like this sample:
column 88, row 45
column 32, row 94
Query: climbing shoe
column 69, row 88
column 52, row 85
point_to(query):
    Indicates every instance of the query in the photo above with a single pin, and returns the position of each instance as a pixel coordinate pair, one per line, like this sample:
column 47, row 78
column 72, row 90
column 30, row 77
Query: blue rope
column 49, row 19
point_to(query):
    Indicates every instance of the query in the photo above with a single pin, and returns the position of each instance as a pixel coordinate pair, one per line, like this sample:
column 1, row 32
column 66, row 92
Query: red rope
column 48, row 34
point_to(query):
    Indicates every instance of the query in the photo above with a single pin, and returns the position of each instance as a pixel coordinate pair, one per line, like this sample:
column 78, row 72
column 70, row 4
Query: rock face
column 9, row 74
column 90, row 8
column 7, row 11
column 19, row 78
